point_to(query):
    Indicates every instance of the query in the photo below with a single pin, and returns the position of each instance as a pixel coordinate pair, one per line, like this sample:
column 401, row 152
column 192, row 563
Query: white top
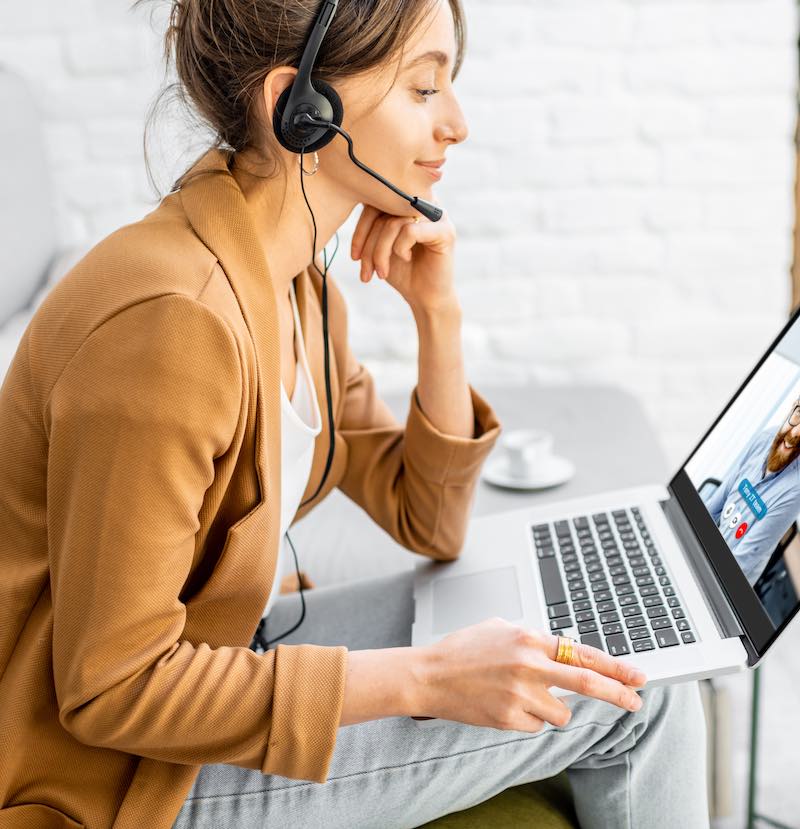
column 301, row 422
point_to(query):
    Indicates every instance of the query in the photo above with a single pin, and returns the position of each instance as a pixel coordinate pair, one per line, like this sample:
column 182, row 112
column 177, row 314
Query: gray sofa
column 33, row 260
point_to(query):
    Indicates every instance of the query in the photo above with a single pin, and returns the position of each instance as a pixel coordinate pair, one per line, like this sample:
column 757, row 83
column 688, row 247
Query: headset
column 307, row 117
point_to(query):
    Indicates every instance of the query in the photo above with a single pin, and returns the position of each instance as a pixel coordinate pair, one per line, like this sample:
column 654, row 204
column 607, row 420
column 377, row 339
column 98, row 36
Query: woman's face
column 415, row 122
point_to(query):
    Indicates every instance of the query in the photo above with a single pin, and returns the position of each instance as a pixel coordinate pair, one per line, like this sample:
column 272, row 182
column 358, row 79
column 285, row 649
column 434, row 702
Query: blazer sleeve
column 417, row 482
column 136, row 420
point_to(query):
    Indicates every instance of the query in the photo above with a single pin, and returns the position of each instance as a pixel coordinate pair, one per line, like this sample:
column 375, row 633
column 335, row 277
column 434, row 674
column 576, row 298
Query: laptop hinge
column 715, row 598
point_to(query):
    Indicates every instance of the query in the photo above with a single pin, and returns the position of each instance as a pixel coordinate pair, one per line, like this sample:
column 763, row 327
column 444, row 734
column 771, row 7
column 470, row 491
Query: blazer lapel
column 217, row 210
column 310, row 314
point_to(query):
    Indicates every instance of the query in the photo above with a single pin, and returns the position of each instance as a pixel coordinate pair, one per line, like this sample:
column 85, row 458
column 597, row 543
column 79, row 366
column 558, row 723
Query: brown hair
column 223, row 50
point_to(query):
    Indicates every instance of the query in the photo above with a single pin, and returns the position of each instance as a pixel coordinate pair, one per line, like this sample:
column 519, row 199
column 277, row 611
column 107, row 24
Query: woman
column 154, row 451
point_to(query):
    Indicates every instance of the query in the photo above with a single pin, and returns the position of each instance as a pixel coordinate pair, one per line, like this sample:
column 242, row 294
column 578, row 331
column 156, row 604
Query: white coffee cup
column 525, row 449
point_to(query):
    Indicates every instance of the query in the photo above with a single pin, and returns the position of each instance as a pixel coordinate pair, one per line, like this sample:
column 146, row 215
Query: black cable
column 258, row 638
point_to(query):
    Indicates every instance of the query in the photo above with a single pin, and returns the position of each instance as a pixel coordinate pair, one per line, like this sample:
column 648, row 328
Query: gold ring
column 566, row 650
column 416, row 219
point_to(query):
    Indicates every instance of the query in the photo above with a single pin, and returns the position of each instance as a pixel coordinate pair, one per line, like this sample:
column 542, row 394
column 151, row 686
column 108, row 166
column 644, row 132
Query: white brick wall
column 624, row 201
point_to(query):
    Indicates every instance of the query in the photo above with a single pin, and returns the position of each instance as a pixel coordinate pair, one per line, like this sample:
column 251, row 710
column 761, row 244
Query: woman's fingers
column 552, row 710
column 363, row 227
column 589, row 683
column 368, row 248
column 382, row 254
column 585, row 656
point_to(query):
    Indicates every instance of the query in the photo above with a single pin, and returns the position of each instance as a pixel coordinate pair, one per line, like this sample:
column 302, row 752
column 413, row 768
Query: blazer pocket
column 36, row 816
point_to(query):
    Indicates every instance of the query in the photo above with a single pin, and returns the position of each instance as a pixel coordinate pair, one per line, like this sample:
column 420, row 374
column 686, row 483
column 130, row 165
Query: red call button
column 742, row 529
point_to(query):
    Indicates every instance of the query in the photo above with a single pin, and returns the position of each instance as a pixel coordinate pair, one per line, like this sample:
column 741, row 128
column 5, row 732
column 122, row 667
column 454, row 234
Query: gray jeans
column 627, row 770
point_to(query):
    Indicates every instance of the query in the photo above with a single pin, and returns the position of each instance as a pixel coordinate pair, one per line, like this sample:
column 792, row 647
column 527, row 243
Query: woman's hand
column 415, row 258
column 497, row 674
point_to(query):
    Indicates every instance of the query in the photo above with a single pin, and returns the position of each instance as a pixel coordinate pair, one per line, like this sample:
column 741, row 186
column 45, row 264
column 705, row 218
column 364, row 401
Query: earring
column 316, row 165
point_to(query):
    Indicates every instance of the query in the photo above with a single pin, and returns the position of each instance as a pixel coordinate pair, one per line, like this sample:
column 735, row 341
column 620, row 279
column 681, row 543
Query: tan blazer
column 140, row 507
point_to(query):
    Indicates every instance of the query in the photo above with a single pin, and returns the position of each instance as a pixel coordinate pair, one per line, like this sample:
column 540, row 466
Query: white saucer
column 552, row 472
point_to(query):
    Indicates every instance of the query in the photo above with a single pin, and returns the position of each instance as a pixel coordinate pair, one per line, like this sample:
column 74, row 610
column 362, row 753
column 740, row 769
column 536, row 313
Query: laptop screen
column 746, row 472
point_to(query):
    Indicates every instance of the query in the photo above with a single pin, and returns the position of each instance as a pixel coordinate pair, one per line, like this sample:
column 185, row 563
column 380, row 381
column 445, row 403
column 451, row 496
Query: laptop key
column 643, row 645
column 677, row 613
column 659, row 624
column 629, row 599
column 587, row 627
column 599, row 586
column 673, row 601
column 551, row 581
column 604, row 607
column 650, row 590
column 612, row 627
column 584, row 604
column 666, row 638
column 603, row 596
column 643, row 581
column 561, row 622
column 669, row 591
column 624, row 589
column 652, row 601
column 577, row 595
column 682, row 624
column 556, row 610
column 617, row 644
column 585, row 616
column 593, row 639
column 562, row 528
column 688, row 637
column 631, row 610
column 639, row 633
column 545, row 552
column 635, row 621
column 655, row 612
column 611, row 616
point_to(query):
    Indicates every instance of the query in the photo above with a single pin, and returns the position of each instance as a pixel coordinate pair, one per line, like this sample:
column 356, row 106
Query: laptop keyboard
column 605, row 583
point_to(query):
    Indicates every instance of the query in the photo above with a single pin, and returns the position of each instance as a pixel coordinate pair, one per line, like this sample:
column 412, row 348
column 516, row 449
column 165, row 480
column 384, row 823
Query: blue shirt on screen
column 780, row 491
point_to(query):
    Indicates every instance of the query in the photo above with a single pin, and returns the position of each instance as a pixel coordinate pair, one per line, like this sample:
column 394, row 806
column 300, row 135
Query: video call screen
column 747, row 473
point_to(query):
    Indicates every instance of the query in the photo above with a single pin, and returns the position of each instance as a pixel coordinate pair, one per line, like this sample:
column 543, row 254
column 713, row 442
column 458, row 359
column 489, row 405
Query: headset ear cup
column 323, row 89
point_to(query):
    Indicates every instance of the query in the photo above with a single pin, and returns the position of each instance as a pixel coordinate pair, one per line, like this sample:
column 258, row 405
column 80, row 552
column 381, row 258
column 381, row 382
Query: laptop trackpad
column 459, row 601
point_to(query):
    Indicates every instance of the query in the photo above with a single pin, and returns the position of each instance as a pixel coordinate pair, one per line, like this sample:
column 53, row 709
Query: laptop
column 688, row 580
